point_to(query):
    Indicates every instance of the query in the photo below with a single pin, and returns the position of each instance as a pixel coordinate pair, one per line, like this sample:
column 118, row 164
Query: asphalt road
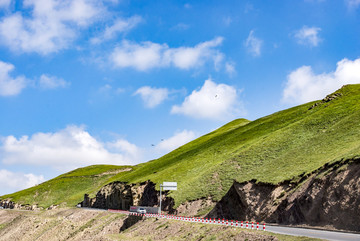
column 313, row 233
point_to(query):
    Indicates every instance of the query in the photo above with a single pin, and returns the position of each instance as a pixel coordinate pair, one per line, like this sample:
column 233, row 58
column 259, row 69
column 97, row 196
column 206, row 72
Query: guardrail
column 225, row 222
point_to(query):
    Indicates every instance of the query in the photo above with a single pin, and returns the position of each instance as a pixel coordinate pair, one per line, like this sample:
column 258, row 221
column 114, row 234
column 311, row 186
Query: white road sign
column 169, row 186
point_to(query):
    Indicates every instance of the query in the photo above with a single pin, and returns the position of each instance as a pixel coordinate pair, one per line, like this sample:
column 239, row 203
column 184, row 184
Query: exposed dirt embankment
column 83, row 224
column 61, row 224
column 119, row 195
column 329, row 197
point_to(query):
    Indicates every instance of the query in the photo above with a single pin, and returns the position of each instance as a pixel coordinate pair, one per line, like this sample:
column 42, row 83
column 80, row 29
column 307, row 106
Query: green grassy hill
column 278, row 147
column 67, row 189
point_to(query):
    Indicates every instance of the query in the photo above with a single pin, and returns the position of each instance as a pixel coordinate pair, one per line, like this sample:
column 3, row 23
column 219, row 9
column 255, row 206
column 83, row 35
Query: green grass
column 67, row 189
column 278, row 147
column 271, row 149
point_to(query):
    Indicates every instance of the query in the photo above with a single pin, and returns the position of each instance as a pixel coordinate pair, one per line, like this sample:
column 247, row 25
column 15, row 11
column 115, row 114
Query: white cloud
column 230, row 68
column 119, row 26
column 212, row 101
column 148, row 55
column 179, row 139
column 253, row 44
column 67, row 149
column 5, row 3
column 8, row 85
column 51, row 26
column 352, row 3
column 15, row 181
column 303, row 85
column 152, row 96
column 308, row 36
column 181, row 26
column 52, row 82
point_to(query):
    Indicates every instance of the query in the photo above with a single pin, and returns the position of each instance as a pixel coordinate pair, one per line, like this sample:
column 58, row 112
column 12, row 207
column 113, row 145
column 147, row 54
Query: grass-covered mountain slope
column 67, row 189
column 272, row 149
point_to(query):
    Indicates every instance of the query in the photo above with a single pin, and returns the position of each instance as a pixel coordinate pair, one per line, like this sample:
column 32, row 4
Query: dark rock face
column 115, row 195
column 119, row 195
column 329, row 197
column 130, row 221
column 7, row 204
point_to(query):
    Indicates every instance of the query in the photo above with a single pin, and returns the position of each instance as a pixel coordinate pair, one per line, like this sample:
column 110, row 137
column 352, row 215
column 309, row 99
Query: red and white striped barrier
column 232, row 223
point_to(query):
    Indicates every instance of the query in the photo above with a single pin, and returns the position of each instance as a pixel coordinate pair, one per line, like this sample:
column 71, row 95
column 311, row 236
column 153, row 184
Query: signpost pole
column 167, row 186
column 160, row 199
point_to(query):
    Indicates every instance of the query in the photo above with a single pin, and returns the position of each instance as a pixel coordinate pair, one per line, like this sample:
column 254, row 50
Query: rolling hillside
column 282, row 146
column 67, row 189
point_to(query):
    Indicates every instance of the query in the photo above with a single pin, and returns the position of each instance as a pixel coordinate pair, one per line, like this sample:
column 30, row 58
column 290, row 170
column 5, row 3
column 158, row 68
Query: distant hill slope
column 67, row 189
column 272, row 149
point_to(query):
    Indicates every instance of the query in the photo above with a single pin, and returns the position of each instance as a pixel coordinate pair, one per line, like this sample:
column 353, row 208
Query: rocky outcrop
column 8, row 204
column 328, row 98
column 328, row 197
column 120, row 195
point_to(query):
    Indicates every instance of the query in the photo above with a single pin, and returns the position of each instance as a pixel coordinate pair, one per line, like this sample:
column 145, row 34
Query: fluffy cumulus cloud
column 152, row 96
column 148, row 55
column 51, row 26
column 10, row 85
column 52, row 82
column 66, row 149
column 211, row 101
column 17, row 181
column 303, row 85
column 5, row 3
column 179, row 139
column 308, row 36
column 253, row 44
column 119, row 26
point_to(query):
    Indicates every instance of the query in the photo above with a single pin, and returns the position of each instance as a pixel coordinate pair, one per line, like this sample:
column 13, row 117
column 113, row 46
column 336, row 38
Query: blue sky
column 87, row 82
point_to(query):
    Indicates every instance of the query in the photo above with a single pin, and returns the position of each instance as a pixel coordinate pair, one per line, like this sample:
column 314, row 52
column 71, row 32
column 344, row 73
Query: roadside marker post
column 257, row 226
column 264, row 227
column 252, row 225
column 167, row 186
column 247, row 224
column 242, row 225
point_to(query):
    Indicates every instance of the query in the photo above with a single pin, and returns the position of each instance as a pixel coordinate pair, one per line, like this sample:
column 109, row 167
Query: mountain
column 282, row 147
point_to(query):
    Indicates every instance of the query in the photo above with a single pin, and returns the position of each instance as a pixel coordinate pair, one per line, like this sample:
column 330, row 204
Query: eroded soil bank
column 59, row 224
column 328, row 198
column 120, row 195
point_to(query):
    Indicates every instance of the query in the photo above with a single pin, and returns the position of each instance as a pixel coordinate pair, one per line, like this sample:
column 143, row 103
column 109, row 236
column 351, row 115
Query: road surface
column 314, row 233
